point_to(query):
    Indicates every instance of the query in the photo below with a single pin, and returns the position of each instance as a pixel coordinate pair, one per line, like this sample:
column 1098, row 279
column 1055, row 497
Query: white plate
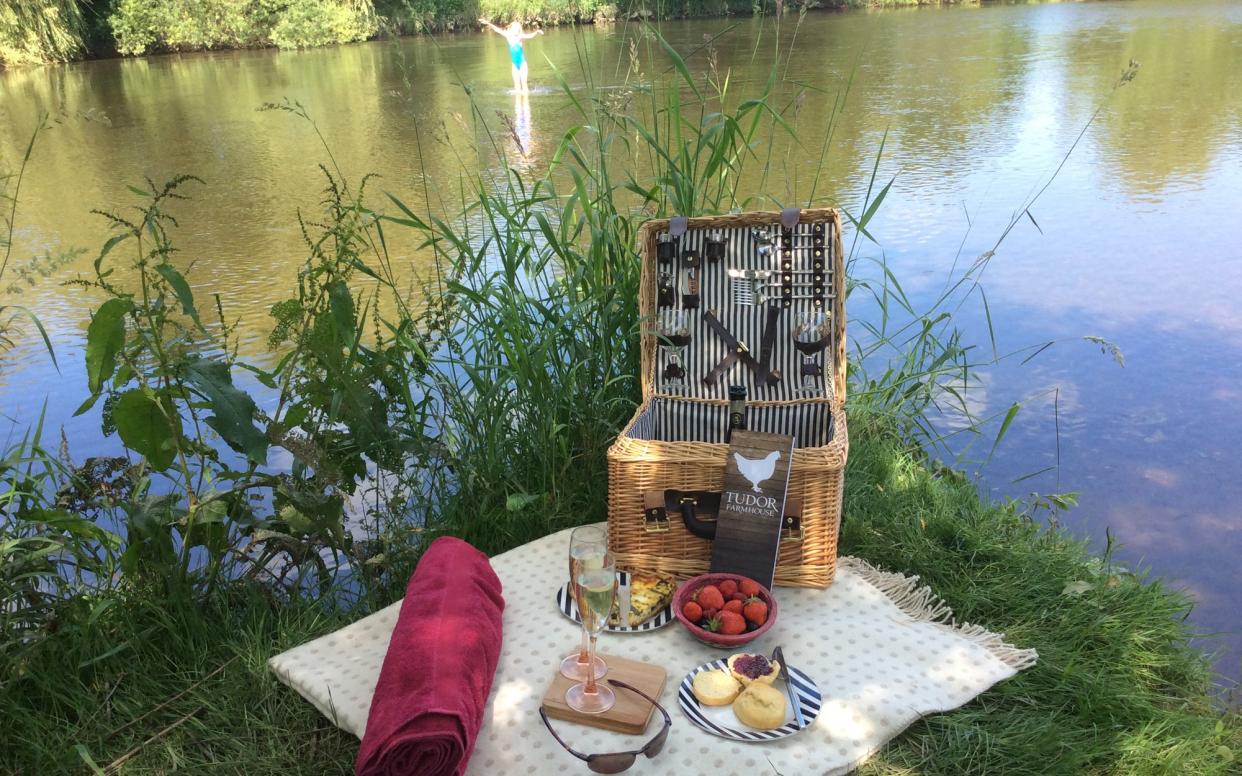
column 721, row 721
column 569, row 608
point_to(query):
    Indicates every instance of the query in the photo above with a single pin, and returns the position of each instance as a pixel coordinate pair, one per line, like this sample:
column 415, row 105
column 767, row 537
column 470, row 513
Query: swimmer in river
column 514, row 34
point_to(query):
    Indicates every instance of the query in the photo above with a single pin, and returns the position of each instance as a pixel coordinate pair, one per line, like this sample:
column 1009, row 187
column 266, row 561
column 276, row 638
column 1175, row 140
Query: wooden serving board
column 632, row 712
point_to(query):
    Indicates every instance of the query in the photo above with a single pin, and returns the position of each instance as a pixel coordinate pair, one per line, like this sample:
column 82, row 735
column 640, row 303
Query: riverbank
column 36, row 32
column 1116, row 689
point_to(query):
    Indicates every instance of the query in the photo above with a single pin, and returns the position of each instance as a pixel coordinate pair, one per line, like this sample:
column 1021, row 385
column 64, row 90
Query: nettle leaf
column 78, row 527
column 211, row 510
column 1075, row 589
column 342, row 304
column 206, row 527
column 298, row 523
column 104, row 339
column 182, row 289
column 234, row 409
column 213, row 536
column 150, row 543
column 147, row 427
column 313, row 511
column 516, row 502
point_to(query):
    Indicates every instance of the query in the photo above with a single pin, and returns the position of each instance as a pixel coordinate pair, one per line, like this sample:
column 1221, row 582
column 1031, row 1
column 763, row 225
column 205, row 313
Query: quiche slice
column 648, row 597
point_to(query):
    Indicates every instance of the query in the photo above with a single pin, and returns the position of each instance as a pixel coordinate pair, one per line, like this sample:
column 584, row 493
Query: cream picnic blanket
column 884, row 651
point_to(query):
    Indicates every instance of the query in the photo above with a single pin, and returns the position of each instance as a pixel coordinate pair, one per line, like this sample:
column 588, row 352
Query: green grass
column 1116, row 689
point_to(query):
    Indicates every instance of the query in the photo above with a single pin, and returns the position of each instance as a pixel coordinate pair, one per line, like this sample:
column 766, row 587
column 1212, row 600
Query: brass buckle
column 655, row 516
column 655, row 520
column 791, row 526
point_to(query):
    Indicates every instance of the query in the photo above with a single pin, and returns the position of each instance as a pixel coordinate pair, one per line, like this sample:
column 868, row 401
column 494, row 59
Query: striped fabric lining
column 568, row 607
column 809, row 699
column 670, row 420
column 746, row 321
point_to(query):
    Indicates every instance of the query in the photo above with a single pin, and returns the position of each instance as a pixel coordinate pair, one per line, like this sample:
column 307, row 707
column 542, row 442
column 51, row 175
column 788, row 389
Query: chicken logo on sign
column 757, row 471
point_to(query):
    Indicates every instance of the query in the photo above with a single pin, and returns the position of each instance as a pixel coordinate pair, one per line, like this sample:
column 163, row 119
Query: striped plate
column 568, row 607
column 720, row 720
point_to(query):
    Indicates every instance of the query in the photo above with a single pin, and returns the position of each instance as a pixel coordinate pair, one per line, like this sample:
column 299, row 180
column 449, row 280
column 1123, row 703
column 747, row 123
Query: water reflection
column 1139, row 240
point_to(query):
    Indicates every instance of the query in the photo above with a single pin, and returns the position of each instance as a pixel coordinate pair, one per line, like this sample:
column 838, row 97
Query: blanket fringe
column 922, row 605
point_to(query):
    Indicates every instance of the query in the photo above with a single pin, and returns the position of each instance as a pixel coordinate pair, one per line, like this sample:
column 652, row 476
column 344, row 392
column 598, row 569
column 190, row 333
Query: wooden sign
column 752, row 505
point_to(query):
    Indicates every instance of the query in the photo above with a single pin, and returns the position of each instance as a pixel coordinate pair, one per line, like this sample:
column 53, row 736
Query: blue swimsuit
column 517, row 54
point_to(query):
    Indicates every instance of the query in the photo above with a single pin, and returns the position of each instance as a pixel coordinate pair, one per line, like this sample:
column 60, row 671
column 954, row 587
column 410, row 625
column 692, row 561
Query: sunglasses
column 616, row 762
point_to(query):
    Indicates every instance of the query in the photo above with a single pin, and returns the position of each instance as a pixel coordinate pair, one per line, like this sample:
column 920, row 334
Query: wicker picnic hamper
column 675, row 441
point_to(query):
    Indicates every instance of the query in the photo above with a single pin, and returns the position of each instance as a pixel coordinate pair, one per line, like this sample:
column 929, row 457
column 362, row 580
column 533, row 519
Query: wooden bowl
column 686, row 591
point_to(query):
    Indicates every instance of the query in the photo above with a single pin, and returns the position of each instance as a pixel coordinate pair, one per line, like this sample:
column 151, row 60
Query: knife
column 778, row 655
column 624, row 594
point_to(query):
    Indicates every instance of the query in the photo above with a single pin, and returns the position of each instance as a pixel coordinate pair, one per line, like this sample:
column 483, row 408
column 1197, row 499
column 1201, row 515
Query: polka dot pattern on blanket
column 883, row 650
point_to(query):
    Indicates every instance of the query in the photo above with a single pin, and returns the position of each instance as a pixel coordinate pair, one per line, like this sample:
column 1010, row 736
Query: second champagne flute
column 588, row 544
column 598, row 588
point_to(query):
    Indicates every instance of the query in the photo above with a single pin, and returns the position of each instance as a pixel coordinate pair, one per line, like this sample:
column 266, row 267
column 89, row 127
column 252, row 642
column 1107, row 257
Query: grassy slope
column 1116, row 690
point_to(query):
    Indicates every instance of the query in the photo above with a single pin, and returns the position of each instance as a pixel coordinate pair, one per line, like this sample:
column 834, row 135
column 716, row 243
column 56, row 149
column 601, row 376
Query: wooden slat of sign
column 752, row 505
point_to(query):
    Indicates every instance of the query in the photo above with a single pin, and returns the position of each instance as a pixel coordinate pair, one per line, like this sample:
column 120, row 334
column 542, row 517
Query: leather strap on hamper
column 657, row 505
column 690, row 297
column 739, row 351
column 767, row 342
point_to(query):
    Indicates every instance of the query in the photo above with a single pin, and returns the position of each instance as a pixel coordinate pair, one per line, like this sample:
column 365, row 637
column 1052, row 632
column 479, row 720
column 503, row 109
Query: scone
column 715, row 688
column 747, row 668
column 760, row 706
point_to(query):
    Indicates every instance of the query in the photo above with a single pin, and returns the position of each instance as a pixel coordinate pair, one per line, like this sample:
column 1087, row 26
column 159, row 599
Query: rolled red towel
column 433, row 687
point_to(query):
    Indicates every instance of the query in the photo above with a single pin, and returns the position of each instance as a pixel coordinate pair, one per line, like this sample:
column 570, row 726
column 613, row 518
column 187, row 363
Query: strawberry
column 748, row 586
column 756, row 611
column 738, row 596
column 733, row 606
column 710, row 613
column 728, row 588
column 709, row 597
column 692, row 611
column 731, row 623
column 711, row 624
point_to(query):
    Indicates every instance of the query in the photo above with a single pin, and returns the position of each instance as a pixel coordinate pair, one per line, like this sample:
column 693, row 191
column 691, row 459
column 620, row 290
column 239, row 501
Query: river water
column 1138, row 238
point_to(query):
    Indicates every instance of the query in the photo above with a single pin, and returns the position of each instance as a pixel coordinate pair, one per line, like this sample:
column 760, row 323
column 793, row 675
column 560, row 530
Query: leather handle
column 657, row 504
column 697, row 527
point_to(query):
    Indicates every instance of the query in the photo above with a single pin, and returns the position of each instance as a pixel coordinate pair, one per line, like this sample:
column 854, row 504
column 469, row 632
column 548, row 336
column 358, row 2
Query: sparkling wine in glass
column 588, row 546
column 598, row 589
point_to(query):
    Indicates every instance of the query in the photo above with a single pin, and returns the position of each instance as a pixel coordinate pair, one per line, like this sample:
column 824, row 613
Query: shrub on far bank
column 34, row 31
column 41, row 31
column 305, row 23
column 142, row 26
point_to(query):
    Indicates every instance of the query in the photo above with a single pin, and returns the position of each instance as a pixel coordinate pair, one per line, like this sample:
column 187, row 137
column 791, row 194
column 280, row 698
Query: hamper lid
column 753, row 299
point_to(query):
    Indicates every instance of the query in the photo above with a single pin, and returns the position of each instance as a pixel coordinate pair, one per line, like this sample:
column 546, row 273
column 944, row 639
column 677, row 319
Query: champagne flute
column 598, row 588
column 588, row 544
